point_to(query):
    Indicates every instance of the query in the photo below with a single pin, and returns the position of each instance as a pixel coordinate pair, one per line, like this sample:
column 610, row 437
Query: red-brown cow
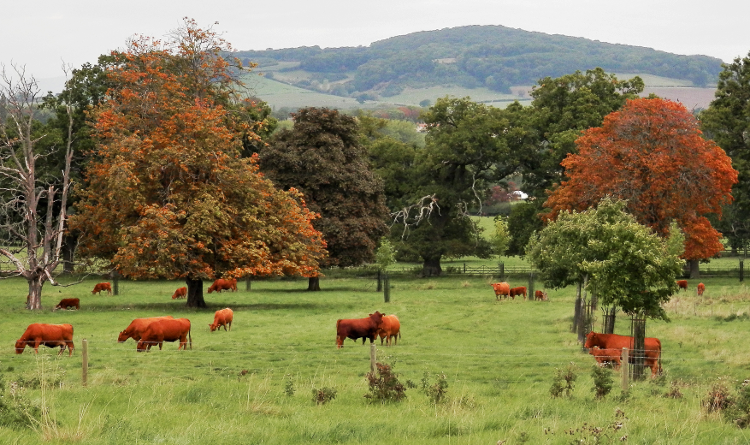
column 652, row 347
column 222, row 284
column 701, row 289
column 604, row 356
column 49, row 335
column 222, row 317
column 356, row 328
column 160, row 331
column 541, row 295
column 136, row 328
column 100, row 287
column 68, row 302
column 390, row 330
column 521, row 290
column 180, row 293
column 682, row 284
column 501, row 289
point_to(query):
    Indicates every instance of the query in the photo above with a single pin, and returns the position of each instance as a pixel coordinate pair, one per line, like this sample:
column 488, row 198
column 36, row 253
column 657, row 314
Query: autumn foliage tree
column 652, row 154
column 167, row 193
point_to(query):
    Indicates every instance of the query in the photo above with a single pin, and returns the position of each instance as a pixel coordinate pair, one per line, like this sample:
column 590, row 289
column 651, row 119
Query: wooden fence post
column 625, row 369
column 85, row 365
column 373, row 350
column 387, row 288
column 247, row 283
column 531, row 286
column 742, row 271
column 501, row 269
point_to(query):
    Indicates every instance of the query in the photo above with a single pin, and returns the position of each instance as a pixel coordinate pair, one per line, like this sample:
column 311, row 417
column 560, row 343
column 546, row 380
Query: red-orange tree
column 652, row 154
column 167, row 194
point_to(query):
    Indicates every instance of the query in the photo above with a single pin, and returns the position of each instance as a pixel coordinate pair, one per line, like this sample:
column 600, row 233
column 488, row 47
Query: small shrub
column 384, row 385
column 739, row 410
column 603, row 381
column 717, row 399
column 591, row 434
column 675, row 392
column 323, row 395
column 15, row 410
column 289, row 387
column 564, row 381
column 438, row 391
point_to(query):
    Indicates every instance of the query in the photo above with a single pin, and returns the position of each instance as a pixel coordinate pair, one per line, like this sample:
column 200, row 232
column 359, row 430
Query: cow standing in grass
column 356, row 328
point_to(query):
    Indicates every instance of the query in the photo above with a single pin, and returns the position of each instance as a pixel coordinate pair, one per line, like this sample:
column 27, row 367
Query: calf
column 137, row 327
column 605, row 356
column 356, row 328
column 160, row 331
column 701, row 289
column 682, row 284
column 501, row 289
column 390, row 329
column 521, row 290
column 68, row 302
column 541, row 295
column 222, row 317
column 49, row 335
column 100, row 287
column 180, row 293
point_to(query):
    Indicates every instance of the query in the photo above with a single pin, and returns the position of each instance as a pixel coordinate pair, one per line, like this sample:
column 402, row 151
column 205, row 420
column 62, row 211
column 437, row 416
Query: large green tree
column 321, row 156
column 167, row 193
column 727, row 122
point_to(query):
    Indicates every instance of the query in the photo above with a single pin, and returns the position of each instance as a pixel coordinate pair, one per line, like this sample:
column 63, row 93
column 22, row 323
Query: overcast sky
column 42, row 34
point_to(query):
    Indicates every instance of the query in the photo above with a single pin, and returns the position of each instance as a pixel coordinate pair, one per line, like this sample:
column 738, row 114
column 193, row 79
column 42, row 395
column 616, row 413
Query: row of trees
column 179, row 176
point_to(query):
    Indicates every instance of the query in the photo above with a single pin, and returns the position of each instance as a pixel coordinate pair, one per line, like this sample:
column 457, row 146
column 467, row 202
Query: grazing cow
column 356, row 328
column 100, row 287
column 701, row 289
column 180, row 293
column 604, row 356
column 160, row 331
column 221, row 284
column 518, row 291
column 222, row 317
column 501, row 289
column 68, row 302
column 682, row 284
column 541, row 295
column 49, row 335
column 136, row 328
column 613, row 341
column 390, row 329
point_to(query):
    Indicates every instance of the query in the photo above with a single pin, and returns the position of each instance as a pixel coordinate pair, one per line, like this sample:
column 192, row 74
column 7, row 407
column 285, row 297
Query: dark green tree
column 727, row 122
column 322, row 157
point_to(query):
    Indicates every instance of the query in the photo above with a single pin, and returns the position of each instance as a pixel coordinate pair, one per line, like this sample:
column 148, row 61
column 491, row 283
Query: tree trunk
column 380, row 282
column 313, row 284
column 195, row 293
column 577, row 309
column 34, row 298
column 610, row 314
column 695, row 272
column 431, row 267
column 386, row 288
column 68, row 253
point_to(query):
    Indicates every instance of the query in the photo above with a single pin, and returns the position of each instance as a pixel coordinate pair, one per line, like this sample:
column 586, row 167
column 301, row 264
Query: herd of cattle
column 606, row 349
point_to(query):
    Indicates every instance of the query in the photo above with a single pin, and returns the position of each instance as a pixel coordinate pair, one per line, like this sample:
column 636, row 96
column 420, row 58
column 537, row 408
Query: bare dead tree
column 31, row 237
column 416, row 213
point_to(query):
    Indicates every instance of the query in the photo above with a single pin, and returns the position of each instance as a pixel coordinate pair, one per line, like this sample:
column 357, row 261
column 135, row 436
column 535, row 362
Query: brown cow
column 136, row 328
column 68, row 302
column 613, row 341
column 541, row 295
column 521, row 290
column 222, row 317
column 356, row 328
column 49, row 335
column 222, row 284
column 701, row 289
column 682, row 284
column 180, row 293
column 604, row 356
column 160, row 331
column 390, row 329
column 100, row 287
column 501, row 289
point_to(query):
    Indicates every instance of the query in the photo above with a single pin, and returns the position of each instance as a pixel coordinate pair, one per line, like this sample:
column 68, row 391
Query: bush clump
column 564, row 381
column 384, row 385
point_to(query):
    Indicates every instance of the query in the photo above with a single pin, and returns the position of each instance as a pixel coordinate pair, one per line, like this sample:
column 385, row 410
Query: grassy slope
column 499, row 359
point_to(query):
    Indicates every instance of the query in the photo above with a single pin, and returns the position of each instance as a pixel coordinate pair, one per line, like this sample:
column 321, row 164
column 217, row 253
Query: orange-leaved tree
column 652, row 154
column 167, row 194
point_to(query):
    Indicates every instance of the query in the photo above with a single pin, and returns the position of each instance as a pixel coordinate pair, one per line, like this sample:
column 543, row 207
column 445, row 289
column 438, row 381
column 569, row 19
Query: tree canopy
column 625, row 263
column 167, row 193
column 651, row 154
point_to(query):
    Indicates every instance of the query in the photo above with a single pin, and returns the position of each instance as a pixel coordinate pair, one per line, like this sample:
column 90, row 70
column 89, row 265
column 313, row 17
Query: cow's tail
column 190, row 338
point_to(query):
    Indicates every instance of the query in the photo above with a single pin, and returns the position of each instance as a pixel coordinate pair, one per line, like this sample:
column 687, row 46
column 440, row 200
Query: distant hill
column 488, row 63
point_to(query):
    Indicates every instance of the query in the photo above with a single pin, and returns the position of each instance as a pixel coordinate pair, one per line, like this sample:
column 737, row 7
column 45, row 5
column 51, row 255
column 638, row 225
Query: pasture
column 254, row 384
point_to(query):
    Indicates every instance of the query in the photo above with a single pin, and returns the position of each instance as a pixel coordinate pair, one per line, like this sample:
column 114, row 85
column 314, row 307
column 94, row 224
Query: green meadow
column 255, row 383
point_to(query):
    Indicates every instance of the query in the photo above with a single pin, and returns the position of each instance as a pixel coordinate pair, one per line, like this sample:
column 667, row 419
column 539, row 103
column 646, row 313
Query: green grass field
column 499, row 359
